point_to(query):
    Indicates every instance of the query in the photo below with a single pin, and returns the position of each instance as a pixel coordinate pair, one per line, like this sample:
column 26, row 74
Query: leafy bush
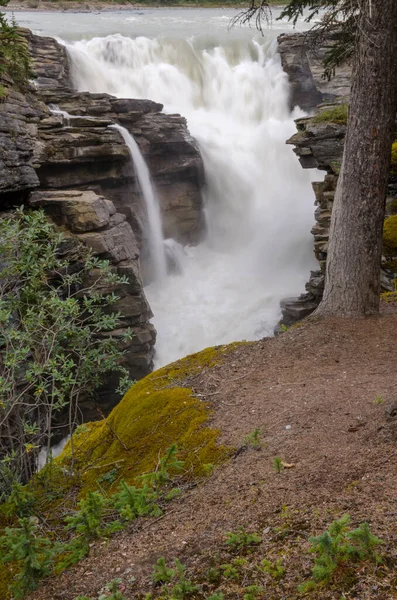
column 54, row 349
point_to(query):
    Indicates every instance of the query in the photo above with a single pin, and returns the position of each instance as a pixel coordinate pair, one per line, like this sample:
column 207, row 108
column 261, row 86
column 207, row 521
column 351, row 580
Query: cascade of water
column 258, row 199
column 155, row 230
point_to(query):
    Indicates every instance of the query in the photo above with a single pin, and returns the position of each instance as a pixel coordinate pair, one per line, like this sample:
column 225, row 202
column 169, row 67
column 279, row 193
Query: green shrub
column 51, row 350
column 275, row 570
column 161, row 573
column 393, row 162
column 390, row 236
column 182, row 587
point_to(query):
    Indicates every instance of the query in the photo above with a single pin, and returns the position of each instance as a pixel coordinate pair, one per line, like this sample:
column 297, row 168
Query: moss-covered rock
column 334, row 114
column 155, row 413
column 390, row 236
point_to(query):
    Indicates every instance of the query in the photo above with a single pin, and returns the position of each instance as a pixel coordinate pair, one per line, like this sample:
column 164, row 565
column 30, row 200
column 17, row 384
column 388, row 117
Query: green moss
column 335, row 166
column 393, row 166
column 156, row 412
column 390, row 236
column 335, row 114
column 389, row 297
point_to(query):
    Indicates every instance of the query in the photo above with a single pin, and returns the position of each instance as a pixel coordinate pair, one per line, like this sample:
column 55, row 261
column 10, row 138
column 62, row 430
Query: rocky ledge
column 301, row 58
column 58, row 152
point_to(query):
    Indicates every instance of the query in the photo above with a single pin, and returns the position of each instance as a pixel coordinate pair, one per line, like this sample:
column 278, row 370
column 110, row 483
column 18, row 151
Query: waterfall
column 258, row 200
column 155, row 230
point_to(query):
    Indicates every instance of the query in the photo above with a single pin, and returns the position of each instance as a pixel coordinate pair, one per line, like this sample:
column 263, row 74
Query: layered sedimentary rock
column 319, row 143
column 79, row 170
column 99, row 156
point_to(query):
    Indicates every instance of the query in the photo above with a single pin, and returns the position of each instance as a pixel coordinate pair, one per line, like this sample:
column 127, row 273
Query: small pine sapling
column 240, row 539
column 113, row 591
column 162, row 573
column 167, row 464
column 364, row 543
column 235, row 569
column 133, row 502
column 33, row 554
column 339, row 547
column 87, row 523
column 183, row 587
column 278, row 464
column 252, row 592
column 87, row 520
column 21, row 501
column 275, row 570
column 253, row 439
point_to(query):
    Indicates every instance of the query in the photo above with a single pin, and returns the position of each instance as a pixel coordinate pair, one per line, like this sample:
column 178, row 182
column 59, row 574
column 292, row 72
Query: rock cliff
column 58, row 152
column 301, row 59
column 319, row 143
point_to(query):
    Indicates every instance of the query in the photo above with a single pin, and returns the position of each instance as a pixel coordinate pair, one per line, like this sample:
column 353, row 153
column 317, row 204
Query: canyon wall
column 319, row 143
column 79, row 171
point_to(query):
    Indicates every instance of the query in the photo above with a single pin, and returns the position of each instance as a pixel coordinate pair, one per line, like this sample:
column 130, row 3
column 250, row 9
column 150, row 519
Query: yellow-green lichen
column 155, row 413
column 389, row 297
column 390, row 236
column 393, row 165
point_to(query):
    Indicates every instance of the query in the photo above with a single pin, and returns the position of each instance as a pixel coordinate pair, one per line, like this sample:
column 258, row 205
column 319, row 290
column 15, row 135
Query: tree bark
column 352, row 283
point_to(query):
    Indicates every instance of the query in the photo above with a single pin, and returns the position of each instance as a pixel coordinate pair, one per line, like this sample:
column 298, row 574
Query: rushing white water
column 155, row 230
column 258, row 200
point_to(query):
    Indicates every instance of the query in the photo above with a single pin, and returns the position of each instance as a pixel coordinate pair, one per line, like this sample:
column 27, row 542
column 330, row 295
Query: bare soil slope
column 323, row 395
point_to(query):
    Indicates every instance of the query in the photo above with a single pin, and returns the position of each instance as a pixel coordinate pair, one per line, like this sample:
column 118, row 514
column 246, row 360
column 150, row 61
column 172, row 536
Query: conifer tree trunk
column 352, row 285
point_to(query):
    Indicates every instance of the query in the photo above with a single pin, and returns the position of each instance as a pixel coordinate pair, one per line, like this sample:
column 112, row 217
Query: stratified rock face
column 18, row 130
column 99, row 156
column 303, row 66
column 319, row 143
column 79, row 171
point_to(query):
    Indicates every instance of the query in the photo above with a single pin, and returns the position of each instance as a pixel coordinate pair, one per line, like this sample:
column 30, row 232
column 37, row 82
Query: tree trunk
column 352, row 283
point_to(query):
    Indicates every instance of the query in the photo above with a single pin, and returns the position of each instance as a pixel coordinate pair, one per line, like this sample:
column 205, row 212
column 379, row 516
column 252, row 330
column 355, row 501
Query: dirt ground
column 323, row 396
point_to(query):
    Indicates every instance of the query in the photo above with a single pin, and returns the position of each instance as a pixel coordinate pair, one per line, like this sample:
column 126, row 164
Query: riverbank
column 105, row 5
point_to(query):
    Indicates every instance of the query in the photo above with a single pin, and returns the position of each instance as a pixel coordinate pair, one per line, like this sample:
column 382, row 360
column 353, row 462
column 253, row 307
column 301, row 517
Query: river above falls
column 151, row 22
